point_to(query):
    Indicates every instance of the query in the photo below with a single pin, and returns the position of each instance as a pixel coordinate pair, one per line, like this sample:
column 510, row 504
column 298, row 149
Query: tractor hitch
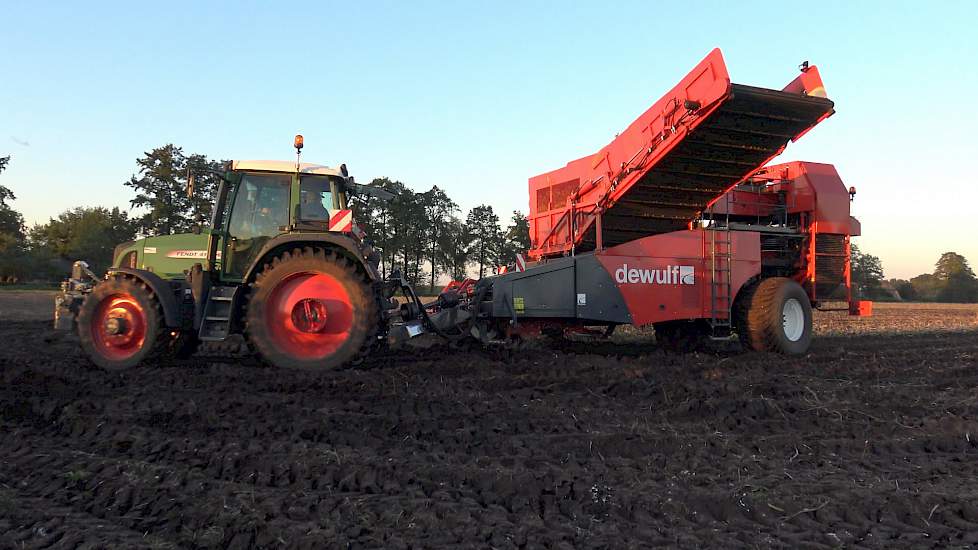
column 73, row 292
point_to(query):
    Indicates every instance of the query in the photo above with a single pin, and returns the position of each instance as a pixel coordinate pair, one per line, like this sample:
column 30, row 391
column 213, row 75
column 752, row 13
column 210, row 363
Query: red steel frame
column 608, row 174
column 578, row 194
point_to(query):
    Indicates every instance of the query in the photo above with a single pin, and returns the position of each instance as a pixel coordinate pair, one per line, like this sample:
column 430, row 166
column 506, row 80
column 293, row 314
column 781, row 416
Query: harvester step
column 216, row 318
column 222, row 298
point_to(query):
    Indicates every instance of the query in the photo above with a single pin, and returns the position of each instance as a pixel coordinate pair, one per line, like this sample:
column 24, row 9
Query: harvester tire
column 120, row 324
column 775, row 315
column 311, row 309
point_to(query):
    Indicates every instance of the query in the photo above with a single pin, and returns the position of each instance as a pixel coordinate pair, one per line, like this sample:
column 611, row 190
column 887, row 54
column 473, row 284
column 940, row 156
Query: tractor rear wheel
column 311, row 309
column 775, row 315
column 120, row 324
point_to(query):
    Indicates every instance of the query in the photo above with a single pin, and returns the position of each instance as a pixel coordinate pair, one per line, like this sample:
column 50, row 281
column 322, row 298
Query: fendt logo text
column 669, row 275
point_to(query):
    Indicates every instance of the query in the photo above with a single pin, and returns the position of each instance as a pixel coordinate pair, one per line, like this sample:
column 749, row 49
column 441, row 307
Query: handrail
column 583, row 212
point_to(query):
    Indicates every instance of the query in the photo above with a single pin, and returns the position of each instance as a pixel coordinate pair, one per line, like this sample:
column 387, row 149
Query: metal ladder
column 721, row 262
column 216, row 324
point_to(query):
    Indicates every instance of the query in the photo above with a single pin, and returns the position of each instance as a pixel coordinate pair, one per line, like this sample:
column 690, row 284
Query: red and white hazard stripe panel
column 341, row 220
column 520, row 263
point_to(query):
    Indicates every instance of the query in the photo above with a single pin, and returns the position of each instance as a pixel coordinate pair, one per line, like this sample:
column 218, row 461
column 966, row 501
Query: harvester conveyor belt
column 676, row 159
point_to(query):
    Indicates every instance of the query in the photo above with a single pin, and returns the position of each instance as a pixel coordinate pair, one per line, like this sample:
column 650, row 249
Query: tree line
column 421, row 233
column 952, row 281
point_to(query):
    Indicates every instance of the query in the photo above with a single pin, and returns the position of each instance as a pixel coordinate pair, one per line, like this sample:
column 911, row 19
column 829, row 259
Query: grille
column 830, row 266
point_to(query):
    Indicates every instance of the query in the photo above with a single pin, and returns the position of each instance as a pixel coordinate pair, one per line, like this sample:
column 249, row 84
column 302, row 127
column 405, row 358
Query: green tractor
column 282, row 263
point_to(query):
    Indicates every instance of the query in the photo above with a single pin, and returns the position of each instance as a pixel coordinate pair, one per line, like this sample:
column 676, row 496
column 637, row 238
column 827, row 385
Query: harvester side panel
column 702, row 138
column 654, row 279
column 672, row 276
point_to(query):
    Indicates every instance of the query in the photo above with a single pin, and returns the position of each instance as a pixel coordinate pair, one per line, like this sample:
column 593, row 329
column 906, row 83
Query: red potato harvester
column 677, row 223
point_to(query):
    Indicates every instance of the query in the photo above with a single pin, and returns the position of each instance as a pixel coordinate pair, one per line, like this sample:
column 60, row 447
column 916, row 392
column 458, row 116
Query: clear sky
column 477, row 97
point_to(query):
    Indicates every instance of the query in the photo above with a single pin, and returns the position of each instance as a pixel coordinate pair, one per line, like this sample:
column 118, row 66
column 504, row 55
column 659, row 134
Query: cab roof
column 287, row 166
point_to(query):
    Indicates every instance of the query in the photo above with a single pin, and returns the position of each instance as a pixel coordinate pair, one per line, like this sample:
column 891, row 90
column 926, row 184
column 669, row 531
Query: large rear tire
column 311, row 309
column 120, row 324
column 775, row 315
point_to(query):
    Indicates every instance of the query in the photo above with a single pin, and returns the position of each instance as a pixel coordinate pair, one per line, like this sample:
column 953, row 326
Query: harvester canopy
column 701, row 139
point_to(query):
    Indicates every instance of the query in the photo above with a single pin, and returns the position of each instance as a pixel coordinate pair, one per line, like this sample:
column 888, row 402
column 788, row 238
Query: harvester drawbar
column 676, row 223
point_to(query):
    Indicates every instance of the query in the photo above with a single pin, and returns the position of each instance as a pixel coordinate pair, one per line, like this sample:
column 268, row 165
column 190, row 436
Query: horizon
column 478, row 101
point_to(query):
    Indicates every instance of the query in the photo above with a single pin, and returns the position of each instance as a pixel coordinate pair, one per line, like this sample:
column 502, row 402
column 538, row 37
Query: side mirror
column 372, row 191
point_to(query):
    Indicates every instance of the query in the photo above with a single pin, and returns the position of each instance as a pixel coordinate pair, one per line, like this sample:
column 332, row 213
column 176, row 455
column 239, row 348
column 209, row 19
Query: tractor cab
column 262, row 199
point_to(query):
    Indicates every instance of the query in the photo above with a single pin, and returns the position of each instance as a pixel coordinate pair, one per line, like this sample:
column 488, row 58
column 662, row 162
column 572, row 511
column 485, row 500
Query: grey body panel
column 546, row 290
column 564, row 288
column 598, row 297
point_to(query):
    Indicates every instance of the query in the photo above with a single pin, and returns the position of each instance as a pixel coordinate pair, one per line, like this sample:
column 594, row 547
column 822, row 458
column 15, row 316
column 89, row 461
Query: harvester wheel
column 775, row 315
column 311, row 309
column 120, row 324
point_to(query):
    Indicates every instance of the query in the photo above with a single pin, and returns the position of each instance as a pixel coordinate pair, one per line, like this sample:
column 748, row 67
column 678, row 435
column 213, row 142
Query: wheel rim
column 119, row 327
column 309, row 315
column 793, row 319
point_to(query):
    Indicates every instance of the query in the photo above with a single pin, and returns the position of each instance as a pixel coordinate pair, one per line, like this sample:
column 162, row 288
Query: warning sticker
column 518, row 305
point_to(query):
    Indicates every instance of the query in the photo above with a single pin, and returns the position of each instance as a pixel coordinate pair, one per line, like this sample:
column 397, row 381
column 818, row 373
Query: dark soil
column 867, row 441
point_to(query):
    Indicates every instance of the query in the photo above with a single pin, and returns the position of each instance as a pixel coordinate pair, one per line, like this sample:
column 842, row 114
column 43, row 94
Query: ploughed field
column 869, row 440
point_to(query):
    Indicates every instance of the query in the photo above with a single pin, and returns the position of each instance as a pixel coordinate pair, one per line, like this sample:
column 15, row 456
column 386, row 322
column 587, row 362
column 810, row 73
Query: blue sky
column 476, row 98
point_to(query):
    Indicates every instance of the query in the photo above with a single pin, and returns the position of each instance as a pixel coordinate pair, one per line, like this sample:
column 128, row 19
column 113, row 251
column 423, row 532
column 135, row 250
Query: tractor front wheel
column 311, row 309
column 775, row 315
column 120, row 323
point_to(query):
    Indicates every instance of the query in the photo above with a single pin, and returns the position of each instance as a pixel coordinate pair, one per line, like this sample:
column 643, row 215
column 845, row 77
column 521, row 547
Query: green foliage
column 11, row 222
column 439, row 211
column 951, row 264
column 516, row 239
column 420, row 233
column 904, row 288
column 407, row 226
column 161, row 190
column 952, row 281
column 956, row 279
column 396, row 227
column 487, row 238
column 925, row 287
column 12, row 247
column 374, row 216
column 454, row 247
column 866, row 270
column 90, row 234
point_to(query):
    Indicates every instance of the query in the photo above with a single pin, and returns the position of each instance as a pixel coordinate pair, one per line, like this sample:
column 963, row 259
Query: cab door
column 260, row 211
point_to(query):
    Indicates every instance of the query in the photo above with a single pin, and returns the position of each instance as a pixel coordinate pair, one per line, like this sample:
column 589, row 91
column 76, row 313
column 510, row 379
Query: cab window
column 315, row 198
column 261, row 206
column 260, row 211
